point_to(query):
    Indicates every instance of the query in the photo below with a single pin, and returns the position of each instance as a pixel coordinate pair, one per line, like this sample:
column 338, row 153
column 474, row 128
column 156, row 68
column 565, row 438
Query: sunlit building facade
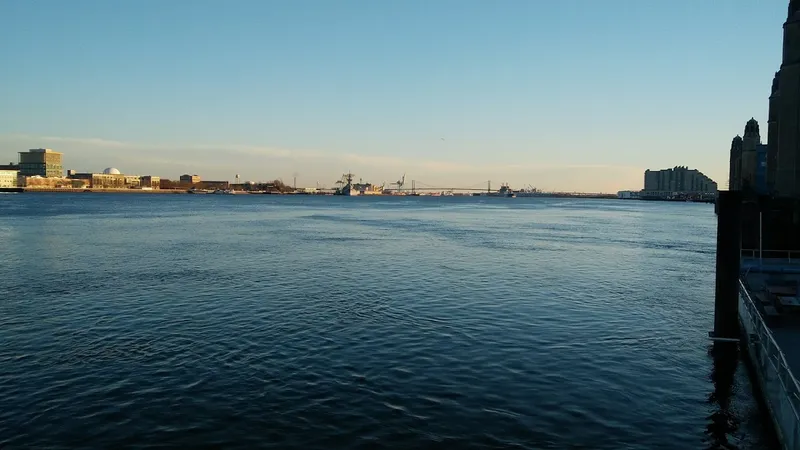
column 41, row 162
column 8, row 178
column 679, row 179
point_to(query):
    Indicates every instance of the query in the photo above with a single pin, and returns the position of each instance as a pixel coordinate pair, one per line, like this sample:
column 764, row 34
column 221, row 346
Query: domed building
column 113, row 178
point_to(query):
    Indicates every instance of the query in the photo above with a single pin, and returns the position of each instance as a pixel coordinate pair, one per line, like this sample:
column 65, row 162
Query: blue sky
column 576, row 95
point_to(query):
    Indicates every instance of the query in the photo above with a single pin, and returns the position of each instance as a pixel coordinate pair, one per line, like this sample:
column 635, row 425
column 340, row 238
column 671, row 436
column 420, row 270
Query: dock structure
column 767, row 177
column 757, row 302
column 769, row 310
column 726, row 305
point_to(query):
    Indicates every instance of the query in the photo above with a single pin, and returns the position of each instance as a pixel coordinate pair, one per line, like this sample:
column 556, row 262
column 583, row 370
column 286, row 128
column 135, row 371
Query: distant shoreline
column 94, row 191
column 185, row 192
column 132, row 191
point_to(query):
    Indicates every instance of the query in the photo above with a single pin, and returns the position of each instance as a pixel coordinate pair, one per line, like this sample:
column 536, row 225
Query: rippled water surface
column 325, row 322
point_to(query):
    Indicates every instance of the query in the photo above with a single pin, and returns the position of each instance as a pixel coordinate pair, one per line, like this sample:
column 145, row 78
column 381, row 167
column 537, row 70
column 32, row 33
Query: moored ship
column 368, row 189
column 504, row 191
column 529, row 191
column 348, row 188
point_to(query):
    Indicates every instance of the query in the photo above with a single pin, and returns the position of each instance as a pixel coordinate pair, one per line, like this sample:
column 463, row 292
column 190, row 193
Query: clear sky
column 575, row 95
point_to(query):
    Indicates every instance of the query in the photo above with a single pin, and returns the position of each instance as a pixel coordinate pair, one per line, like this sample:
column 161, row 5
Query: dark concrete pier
column 726, row 301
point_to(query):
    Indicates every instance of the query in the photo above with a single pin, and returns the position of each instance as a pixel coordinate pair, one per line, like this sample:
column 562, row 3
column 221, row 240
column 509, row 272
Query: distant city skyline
column 573, row 95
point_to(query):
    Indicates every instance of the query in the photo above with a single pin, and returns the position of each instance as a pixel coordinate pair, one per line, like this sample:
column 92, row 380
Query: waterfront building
column 748, row 161
column 8, row 178
column 767, row 237
column 191, row 179
column 102, row 180
column 212, row 184
column 679, row 179
column 772, row 134
column 38, row 182
column 41, row 162
column 164, row 183
column 735, row 173
column 112, row 178
column 651, row 180
column 108, row 180
column 783, row 143
column 761, row 169
column 769, row 176
column 628, row 195
column 132, row 181
column 750, row 142
column 151, row 182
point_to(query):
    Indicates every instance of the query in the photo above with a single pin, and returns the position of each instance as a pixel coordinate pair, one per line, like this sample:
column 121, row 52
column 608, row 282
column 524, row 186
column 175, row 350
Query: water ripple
column 275, row 322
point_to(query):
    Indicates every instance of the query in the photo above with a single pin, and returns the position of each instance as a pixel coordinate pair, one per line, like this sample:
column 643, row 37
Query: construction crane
column 399, row 183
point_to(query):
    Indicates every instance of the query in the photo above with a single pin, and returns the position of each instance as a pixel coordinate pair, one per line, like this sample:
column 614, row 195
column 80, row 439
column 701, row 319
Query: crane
column 399, row 183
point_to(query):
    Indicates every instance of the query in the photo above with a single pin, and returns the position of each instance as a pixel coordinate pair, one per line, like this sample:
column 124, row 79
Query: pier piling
column 726, row 301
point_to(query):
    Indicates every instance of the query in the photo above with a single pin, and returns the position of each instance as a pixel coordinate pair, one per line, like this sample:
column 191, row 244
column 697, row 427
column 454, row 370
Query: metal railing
column 786, row 255
column 779, row 386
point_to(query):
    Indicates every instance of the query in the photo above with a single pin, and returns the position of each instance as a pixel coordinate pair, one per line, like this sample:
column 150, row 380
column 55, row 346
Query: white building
column 8, row 178
column 628, row 195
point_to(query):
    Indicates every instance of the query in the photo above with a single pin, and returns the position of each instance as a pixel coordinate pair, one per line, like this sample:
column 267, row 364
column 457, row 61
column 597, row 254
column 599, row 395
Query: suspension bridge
column 486, row 186
column 416, row 186
column 401, row 187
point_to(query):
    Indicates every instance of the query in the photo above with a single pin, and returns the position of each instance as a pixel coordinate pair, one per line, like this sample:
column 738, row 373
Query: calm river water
column 323, row 322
